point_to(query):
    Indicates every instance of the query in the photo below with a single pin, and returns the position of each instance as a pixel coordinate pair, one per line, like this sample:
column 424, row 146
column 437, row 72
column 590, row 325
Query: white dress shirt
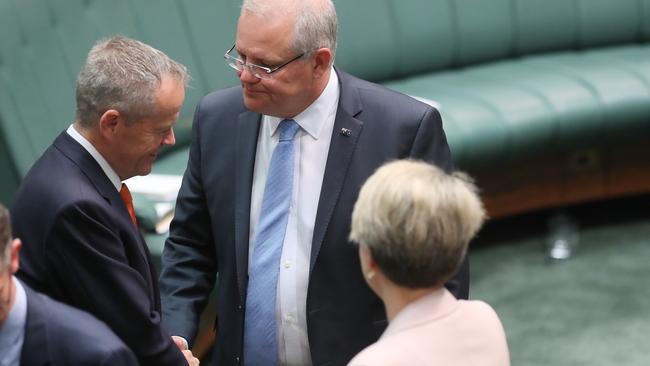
column 110, row 173
column 311, row 147
column 12, row 331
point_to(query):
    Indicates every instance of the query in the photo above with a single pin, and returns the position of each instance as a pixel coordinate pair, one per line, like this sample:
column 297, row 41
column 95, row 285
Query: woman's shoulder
column 477, row 309
column 385, row 352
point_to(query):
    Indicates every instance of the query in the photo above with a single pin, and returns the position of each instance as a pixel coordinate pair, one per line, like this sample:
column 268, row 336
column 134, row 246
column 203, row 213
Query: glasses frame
column 254, row 69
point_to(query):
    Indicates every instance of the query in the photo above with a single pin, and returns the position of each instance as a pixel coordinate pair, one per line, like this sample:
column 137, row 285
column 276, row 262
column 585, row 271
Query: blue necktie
column 260, row 343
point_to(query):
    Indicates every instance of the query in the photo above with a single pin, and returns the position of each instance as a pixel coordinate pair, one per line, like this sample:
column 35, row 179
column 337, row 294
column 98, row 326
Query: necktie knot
column 288, row 129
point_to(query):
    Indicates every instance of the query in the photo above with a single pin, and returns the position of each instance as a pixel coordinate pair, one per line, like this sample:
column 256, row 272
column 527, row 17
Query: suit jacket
column 209, row 233
column 440, row 330
column 60, row 335
column 81, row 248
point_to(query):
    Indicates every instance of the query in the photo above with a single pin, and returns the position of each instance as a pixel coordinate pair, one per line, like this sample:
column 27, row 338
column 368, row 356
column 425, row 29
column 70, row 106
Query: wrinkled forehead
column 260, row 35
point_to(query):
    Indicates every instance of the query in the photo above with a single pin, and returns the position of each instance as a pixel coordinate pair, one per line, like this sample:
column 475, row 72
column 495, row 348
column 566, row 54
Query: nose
column 246, row 76
column 170, row 138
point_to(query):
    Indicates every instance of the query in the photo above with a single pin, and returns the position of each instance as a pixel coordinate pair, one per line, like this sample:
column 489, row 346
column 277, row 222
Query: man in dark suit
column 82, row 245
column 311, row 304
column 36, row 330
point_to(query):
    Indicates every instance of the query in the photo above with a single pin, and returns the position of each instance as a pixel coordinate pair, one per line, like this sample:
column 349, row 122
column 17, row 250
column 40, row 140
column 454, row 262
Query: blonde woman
column 413, row 222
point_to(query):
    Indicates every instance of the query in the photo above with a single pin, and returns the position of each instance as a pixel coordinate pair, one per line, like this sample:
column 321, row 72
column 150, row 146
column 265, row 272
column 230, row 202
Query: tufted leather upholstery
column 514, row 79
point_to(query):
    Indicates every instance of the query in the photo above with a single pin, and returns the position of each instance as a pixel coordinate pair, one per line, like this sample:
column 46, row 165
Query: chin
column 255, row 105
column 145, row 171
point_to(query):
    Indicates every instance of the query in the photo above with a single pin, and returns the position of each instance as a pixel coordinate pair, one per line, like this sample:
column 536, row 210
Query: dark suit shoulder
column 217, row 114
column 229, row 94
column 382, row 108
column 225, row 99
column 73, row 336
column 73, row 201
column 56, row 180
column 379, row 94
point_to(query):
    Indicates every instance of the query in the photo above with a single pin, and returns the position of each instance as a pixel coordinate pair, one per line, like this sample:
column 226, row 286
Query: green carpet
column 592, row 309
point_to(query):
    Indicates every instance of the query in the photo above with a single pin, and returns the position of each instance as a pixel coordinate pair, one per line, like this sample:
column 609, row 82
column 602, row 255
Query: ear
column 322, row 58
column 109, row 122
column 14, row 263
column 367, row 262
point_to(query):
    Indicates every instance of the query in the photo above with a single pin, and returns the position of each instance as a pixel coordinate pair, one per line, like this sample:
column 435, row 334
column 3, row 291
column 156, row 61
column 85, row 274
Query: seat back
column 43, row 46
column 383, row 40
column 44, row 43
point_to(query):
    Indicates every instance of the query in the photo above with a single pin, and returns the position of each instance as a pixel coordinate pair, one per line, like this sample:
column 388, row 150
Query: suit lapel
column 82, row 158
column 345, row 136
column 248, row 127
column 35, row 350
column 91, row 169
column 75, row 152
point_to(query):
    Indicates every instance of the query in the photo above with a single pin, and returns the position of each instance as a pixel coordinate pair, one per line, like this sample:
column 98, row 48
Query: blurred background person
column 36, row 330
column 413, row 223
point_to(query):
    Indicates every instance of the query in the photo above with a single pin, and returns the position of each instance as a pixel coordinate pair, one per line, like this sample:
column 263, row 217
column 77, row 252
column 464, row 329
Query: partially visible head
column 130, row 95
column 8, row 264
column 272, row 32
column 416, row 222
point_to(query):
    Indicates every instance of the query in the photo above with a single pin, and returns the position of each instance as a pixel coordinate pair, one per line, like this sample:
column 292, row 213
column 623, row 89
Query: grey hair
column 417, row 221
column 123, row 74
column 5, row 238
column 316, row 23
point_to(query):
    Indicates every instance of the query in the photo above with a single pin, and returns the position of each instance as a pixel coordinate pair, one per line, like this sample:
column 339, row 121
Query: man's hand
column 180, row 342
column 191, row 360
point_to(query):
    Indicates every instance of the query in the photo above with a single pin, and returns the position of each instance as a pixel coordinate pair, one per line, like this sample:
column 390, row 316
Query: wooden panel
column 564, row 179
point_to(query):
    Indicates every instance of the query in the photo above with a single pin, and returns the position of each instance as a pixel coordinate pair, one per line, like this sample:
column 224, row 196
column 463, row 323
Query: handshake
column 181, row 343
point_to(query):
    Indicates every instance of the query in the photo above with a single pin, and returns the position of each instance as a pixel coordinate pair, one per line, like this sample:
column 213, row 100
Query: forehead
column 170, row 94
column 264, row 36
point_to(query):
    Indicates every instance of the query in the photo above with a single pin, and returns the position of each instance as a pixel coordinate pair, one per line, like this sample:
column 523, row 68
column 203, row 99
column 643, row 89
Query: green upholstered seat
column 513, row 79
column 516, row 109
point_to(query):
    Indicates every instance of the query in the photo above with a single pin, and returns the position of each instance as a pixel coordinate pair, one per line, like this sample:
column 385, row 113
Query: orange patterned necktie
column 128, row 202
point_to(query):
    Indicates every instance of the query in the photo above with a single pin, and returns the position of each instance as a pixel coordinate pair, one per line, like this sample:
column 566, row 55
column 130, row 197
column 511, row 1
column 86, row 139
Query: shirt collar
column 311, row 119
column 110, row 173
column 12, row 330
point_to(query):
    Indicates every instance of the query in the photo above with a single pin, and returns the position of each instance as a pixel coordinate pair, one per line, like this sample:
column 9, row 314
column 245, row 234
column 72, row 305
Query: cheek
column 280, row 89
column 151, row 143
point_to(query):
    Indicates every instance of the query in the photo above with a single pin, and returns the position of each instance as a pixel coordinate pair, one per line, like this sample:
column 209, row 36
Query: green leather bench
column 546, row 102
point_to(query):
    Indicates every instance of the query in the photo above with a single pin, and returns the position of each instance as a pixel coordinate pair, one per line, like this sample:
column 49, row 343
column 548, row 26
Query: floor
column 590, row 309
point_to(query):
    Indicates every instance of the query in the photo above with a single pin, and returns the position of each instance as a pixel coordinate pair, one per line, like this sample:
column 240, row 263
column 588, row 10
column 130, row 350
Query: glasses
column 260, row 72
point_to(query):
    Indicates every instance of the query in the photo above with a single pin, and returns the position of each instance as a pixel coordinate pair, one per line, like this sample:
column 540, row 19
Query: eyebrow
column 260, row 61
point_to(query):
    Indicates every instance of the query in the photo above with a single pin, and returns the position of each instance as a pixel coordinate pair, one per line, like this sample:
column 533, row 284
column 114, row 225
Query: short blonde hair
column 417, row 221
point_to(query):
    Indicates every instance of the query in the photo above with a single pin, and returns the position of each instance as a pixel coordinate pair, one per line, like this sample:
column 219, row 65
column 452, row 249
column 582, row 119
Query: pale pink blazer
column 440, row 330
